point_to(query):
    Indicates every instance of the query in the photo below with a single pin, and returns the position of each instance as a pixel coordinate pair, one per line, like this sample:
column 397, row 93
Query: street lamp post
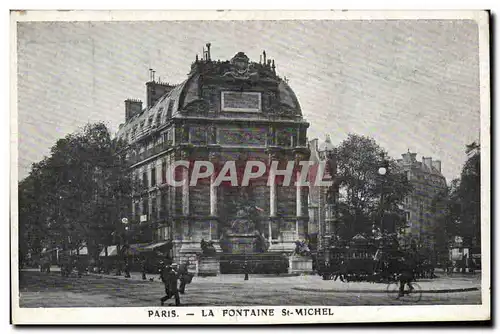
column 382, row 171
column 122, row 240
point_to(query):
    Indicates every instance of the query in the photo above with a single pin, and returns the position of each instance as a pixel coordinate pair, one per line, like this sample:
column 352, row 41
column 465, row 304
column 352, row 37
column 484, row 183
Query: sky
column 409, row 84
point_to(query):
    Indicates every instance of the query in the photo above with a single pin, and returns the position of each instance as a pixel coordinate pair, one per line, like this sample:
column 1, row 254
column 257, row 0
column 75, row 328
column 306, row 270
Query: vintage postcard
column 250, row 167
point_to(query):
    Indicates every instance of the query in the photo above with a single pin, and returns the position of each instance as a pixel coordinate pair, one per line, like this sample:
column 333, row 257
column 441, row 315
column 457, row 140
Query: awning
column 82, row 251
column 45, row 250
column 112, row 251
column 155, row 245
column 135, row 249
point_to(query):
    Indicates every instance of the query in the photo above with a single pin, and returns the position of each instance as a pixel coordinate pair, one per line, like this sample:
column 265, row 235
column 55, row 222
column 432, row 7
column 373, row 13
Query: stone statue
column 301, row 248
column 207, row 248
column 242, row 224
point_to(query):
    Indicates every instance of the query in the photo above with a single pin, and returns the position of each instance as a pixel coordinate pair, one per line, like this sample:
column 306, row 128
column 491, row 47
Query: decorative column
column 190, row 247
column 185, row 197
column 298, row 201
column 213, row 198
column 272, row 196
column 213, row 223
column 185, row 192
column 286, row 235
column 301, row 219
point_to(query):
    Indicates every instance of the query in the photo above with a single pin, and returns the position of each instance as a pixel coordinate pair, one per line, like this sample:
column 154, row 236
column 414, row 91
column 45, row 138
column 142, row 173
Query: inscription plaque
column 241, row 101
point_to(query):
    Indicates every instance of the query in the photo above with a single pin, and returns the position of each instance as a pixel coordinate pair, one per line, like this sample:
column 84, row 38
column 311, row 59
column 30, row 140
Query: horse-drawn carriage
column 367, row 260
column 357, row 260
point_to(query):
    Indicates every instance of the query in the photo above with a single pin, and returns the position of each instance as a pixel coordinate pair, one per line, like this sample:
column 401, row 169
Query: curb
column 121, row 277
column 384, row 291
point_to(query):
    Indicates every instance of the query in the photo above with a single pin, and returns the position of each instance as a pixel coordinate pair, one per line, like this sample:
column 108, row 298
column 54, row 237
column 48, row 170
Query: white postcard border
column 126, row 315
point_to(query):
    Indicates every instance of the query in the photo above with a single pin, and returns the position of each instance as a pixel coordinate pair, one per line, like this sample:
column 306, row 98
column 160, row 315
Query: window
column 407, row 216
column 198, row 135
column 170, row 108
column 145, row 207
column 137, row 211
column 164, row 172
column 153, row 208
column 145, row 180
column 153, row 177
column 163, row 205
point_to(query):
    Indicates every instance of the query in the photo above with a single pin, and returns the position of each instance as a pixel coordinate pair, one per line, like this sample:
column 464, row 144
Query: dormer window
column 170, row 107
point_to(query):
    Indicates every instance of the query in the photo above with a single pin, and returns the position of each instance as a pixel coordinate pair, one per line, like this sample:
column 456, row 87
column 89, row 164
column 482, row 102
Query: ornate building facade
column 234, row 110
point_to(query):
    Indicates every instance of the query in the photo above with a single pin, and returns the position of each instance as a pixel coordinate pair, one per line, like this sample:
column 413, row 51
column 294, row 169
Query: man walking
column 184, row 276
column 246, row 270
column 169, row 278
column 127, row 268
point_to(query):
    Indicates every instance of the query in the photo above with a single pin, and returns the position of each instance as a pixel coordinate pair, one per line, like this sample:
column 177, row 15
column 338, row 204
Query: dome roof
column 182, row 95
column 288, row 98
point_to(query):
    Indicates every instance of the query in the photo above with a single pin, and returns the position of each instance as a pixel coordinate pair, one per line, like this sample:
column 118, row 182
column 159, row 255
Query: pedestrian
column 246, row 270
column 169, row 278
column 80, row 267
column 464, row 263
column 341, row 271
column 127, row 268
column 118, row 267
column 406, row 275
column 184, row 276
column 143, row 268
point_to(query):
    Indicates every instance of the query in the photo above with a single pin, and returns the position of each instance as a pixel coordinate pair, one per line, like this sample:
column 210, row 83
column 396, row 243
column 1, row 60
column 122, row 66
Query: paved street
column 51, row 290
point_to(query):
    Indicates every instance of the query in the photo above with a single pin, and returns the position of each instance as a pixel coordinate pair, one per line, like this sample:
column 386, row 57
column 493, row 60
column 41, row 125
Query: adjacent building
column 322, row 211
column 236, row 110
column 421, row 214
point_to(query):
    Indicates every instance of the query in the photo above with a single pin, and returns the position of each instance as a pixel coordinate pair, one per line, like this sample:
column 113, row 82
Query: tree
column 365, row 197
column 470, row 195
column 78, row 194
column 466, row 198
column 444, row 209
column 458, row 209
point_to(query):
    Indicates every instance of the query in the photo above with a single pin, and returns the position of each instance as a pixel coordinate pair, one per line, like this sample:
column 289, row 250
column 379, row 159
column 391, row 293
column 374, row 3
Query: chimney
column 406, row 157
column 155, row 90
column 437, row 165
column 314, row 144
column 132, row 107
column 208, row 52
column 427, row 162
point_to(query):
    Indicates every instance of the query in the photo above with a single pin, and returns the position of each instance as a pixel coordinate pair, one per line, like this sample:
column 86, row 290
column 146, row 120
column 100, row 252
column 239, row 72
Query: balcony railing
column 149, row 153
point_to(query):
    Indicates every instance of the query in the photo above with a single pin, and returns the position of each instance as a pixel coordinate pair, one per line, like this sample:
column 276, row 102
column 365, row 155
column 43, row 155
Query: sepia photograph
column 230, row 167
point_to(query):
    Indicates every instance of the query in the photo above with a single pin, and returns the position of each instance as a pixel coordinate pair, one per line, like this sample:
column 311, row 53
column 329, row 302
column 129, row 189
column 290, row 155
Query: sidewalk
column 436, row 285
column 314, row 283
